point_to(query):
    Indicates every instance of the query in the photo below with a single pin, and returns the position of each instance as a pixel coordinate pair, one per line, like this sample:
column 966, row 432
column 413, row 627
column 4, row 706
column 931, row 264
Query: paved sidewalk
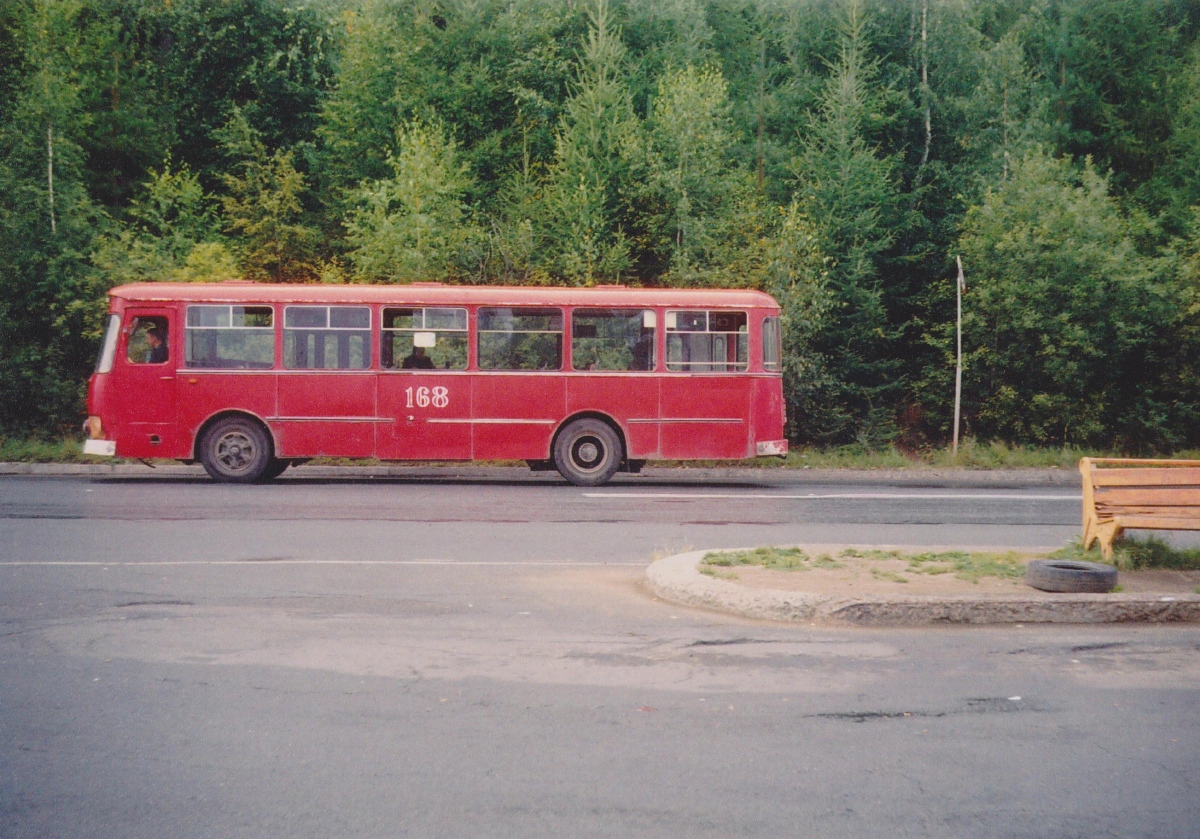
column 676, row 579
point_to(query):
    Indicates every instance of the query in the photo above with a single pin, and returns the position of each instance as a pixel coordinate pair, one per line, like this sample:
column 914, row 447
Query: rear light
column 93, row 428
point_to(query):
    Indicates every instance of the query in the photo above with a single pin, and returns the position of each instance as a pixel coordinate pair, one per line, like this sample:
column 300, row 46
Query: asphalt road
column 453, row 658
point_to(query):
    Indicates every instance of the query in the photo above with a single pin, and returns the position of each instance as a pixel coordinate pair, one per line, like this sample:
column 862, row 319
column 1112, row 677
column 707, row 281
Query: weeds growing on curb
column 1136, row 554
column 969, row 566
column 783, row 559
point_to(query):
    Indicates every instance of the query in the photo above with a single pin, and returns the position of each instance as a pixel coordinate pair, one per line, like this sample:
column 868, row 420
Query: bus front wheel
column 587, row 452
column 235, row 451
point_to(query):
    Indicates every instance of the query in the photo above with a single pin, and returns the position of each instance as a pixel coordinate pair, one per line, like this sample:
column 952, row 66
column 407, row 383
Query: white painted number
column 423, row 397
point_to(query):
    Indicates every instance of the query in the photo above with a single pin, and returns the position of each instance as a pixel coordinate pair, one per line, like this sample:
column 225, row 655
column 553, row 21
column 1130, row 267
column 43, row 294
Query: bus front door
column 145, row 367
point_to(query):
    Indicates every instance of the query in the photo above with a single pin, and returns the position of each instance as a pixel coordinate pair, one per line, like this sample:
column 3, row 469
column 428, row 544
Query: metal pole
column 50, row 174
column 958, row 364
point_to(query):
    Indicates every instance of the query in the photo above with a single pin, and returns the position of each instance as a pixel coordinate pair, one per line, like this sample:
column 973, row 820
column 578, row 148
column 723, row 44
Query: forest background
column 836, row 154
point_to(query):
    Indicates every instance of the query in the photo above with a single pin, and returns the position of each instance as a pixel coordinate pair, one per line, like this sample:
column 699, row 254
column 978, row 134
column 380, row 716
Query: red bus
column 247, row 378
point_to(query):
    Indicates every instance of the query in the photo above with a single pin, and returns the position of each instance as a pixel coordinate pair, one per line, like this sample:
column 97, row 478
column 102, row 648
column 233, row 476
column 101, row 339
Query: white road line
column 263, row 563
column 697, row 496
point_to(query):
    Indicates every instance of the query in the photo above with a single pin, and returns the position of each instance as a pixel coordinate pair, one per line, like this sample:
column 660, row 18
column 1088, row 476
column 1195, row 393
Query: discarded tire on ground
column 1070, row 576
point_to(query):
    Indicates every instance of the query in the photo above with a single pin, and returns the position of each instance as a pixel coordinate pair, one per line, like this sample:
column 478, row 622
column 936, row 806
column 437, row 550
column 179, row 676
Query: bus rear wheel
column 235, row 451
column 587, row 452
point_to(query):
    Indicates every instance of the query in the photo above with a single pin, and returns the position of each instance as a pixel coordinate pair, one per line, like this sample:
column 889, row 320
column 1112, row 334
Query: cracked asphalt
column 481, row 658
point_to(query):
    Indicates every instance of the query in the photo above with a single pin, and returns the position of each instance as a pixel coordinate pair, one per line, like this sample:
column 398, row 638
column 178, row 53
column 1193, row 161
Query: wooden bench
column 1120, row 494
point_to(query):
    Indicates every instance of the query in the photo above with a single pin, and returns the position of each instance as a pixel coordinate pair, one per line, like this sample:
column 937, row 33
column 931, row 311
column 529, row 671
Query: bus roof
column 434, row 294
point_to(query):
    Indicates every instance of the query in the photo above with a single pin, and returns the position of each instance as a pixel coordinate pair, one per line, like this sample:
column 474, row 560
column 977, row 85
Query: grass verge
column 969, row 566
column 1131, row 554
column 35, row 450
column 971, row 455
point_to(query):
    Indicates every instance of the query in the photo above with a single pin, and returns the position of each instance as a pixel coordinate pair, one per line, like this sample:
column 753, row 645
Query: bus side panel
column 706, row 417
column 326, row 413
column 428, row 415
column 514, row 414
column 203, row 393
column 631, row 400
column 767, row 409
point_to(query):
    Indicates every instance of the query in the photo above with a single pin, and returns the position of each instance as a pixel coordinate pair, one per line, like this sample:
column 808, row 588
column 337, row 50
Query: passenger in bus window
column 417, row 360
column 157, row 354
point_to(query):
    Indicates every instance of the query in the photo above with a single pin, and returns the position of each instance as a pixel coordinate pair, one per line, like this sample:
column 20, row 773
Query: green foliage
column 1065, row 315
column 836, row 153
column 971, row 566
column 1130, row 554
column 595, row 135
column 797, row 276
column 41, row 450
column 781, row 559
column 690, row 178
column 849, row 190
column 171, row 233
column 413, row 225
column 49, row 298
column 262, row 206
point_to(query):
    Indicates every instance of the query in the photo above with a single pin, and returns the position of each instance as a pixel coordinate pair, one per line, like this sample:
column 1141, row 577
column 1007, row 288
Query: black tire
column 1070, row 576
column 236, row 450
column 275, row 468
column 587, row 452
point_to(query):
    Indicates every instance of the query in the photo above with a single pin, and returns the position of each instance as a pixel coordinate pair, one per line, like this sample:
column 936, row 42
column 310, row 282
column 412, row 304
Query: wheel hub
column 587, row 453
column 235, row 451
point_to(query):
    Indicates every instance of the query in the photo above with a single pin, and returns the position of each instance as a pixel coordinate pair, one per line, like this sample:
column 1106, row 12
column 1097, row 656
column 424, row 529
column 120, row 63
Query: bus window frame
column 740, row 369
column 276, row 348
column 563, row 333
column 655, row 344
column 467, row 330
column 372, row 335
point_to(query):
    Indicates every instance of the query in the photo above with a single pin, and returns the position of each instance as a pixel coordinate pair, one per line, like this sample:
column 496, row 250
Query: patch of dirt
column 862, row 576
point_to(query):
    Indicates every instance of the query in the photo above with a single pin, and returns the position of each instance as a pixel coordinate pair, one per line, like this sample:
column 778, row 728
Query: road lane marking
column 698, row 496
column 268, row 562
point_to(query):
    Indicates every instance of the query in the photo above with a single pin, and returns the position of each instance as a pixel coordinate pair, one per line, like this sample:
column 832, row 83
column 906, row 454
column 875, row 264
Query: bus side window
column 707, row 342
column 612, row 339
column 771, row 344
column 327, row 337
column 229, row 337
column 423, row 339
column 147, row 341
column 520, row 339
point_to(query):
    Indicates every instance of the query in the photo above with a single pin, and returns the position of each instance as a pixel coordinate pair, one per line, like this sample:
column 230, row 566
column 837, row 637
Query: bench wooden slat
column 1141, row 496
column 1167, row 476
column 1121, row 494
column 1139, row 461
column 1181, row 513
column 1156, row 523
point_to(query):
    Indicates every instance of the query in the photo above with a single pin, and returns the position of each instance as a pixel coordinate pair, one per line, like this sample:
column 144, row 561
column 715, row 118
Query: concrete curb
column 762, row 477
column 676, row 579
